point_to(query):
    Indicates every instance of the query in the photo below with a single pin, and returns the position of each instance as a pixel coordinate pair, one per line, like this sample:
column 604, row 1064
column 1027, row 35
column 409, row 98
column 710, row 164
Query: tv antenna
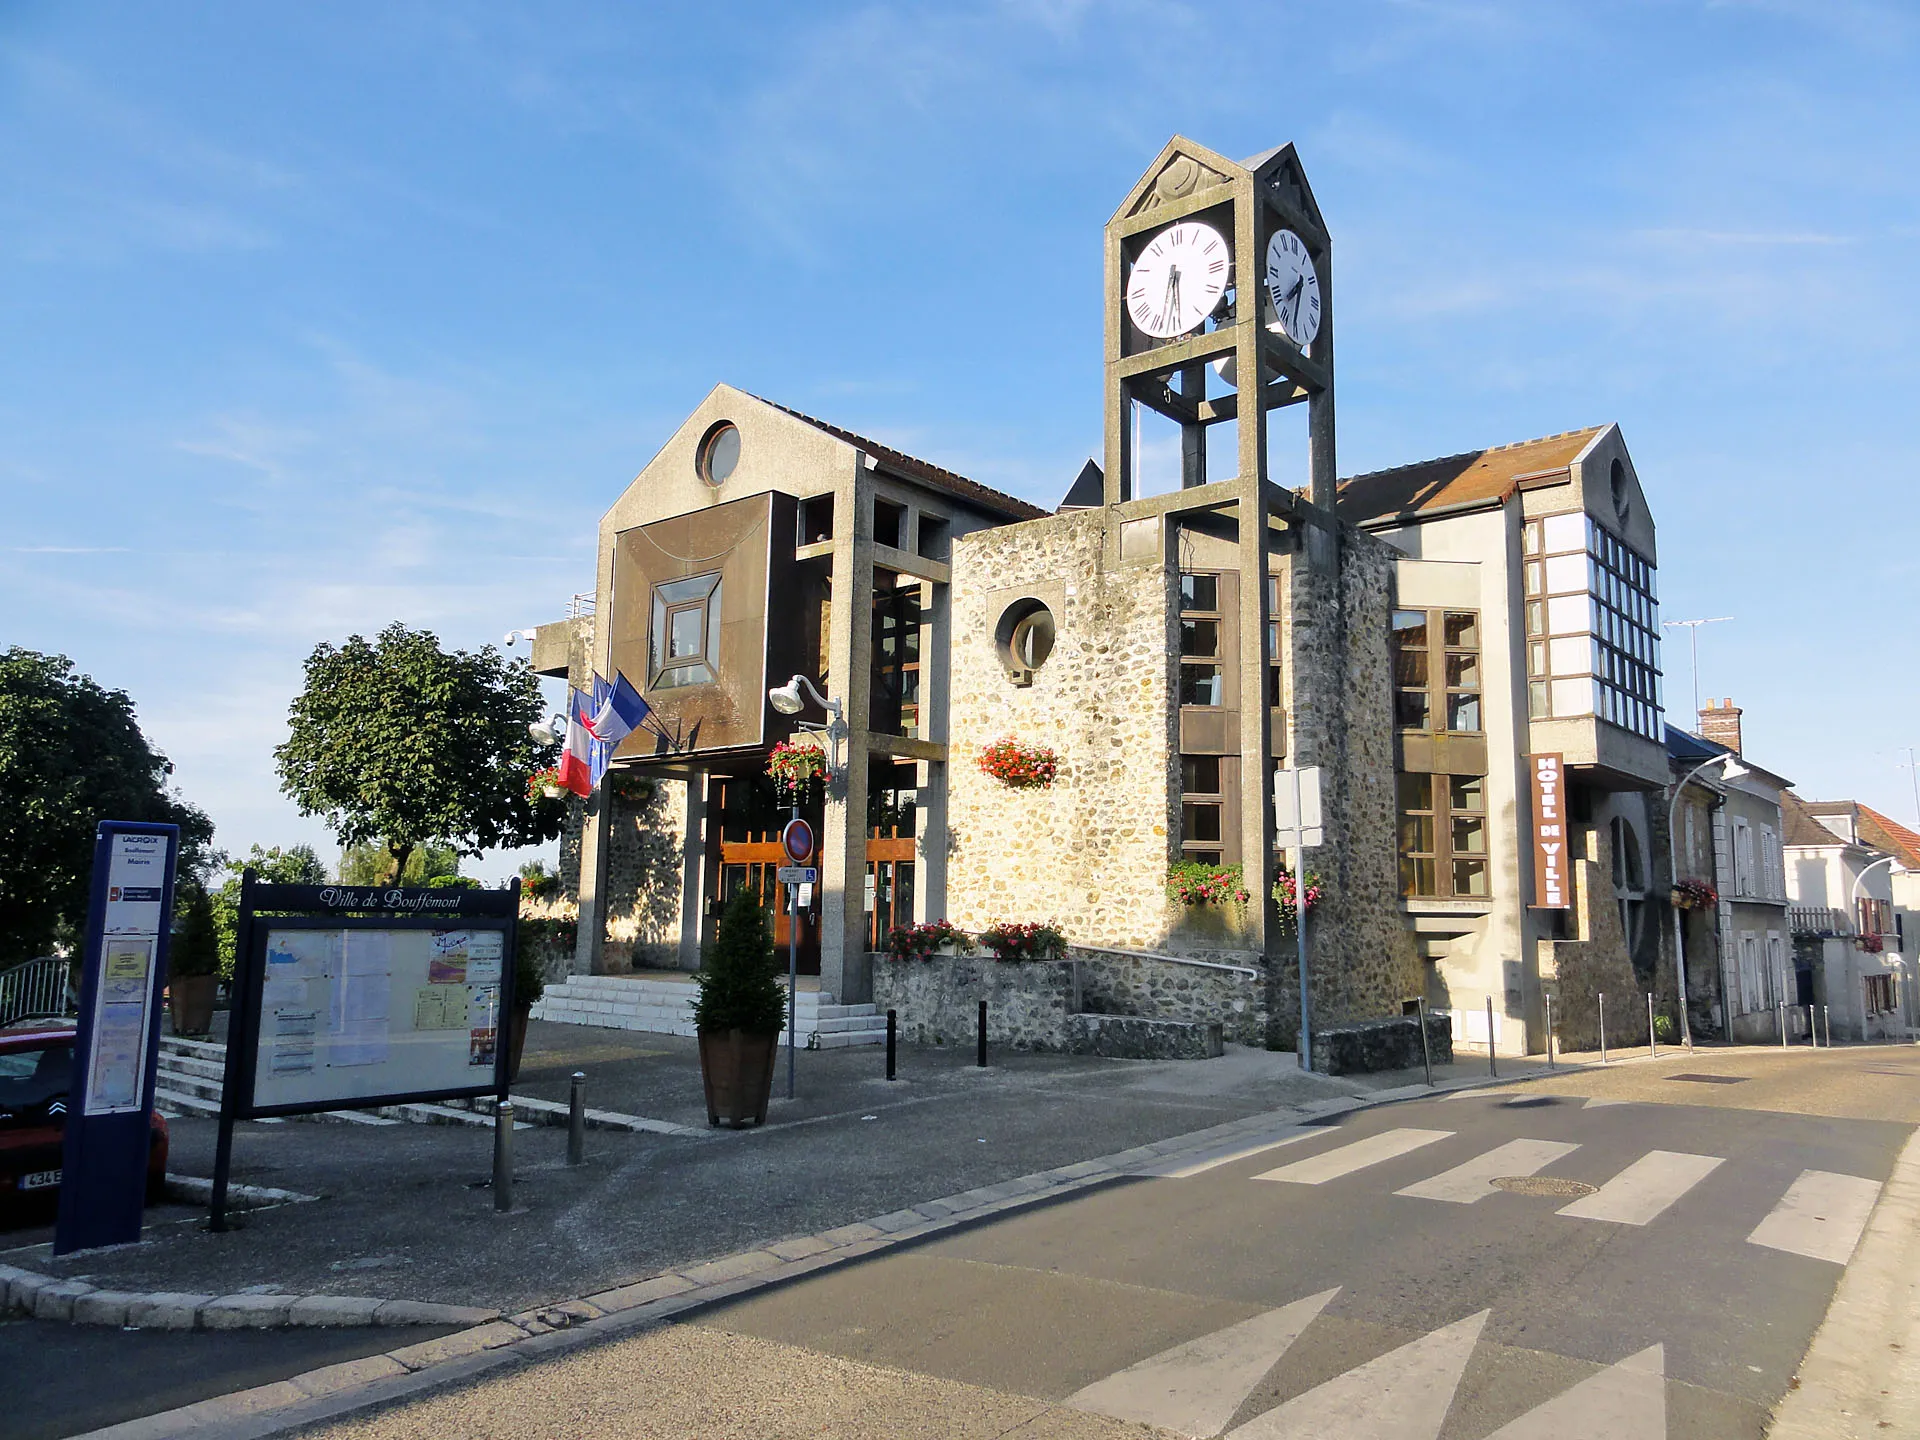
column 1692, row 628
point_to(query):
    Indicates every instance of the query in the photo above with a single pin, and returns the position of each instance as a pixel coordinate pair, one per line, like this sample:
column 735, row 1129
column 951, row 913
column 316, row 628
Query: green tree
column 397, row 742
column 296, row 865
column 372, row 865
column 71, row 755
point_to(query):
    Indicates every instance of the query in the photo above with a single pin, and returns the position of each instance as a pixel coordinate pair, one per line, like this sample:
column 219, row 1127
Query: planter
column 553, row 792
column 1218, row 925
column 737, row 1070
column 190, row 998
column 517, row 1041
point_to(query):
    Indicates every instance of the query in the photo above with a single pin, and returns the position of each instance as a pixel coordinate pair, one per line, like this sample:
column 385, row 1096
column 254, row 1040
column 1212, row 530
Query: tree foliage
column 373, row 865
column 295, row 865
column 738, row 987
column 399, row 742
column 71, row 755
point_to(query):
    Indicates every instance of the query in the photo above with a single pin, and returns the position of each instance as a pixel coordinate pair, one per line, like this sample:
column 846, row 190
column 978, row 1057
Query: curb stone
column 337, row 1390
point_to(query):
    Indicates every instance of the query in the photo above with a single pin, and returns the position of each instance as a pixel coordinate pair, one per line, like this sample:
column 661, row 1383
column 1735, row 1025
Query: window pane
column 1539, row 707
column 1200, row 685
column 1417, row 876
column 1463, row 712
column 1032, row 639
column 1464, row 671
column 1463, row 630
column 1536, row 657
column 1536, row 578
column 1536, row 617
column 1201, row 857
column 1199, row 637
column 1570, row 615
column 1201, row 822
column 1469, row 835
column 1273, row 686
column 1415, row 791
column 1531, row 537
column 685, row 629
column 1199, row 592
column 1468, row 793
column 1410, row 709
column 1470, row 877
column 1566, row 532
column 1416, row 834
column 1200, row 774
column 1410, row 628
column 1273, row 594
column 1410, row 667
column 1566, row 573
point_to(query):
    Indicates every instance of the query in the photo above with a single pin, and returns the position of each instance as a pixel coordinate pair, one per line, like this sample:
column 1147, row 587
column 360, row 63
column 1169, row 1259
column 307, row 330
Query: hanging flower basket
column 545, row 785
column 633, row 788
column 1018, row 766
column 1193, row 883
column 1693, row 895
column 1871, row 944
column 1283, row 896
column 795, row 764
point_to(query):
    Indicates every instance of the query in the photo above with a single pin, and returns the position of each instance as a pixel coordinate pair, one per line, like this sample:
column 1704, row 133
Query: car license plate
column 40, row 1180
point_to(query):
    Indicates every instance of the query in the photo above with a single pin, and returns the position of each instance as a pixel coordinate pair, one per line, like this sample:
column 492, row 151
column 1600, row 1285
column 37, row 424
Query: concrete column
column 1256, row 746
column 589, row 951
column 930, row 844
column 843, row 839
column 693, row 872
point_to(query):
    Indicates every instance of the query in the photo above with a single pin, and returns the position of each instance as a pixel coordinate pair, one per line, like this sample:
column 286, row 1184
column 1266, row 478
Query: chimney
column 1721, row 724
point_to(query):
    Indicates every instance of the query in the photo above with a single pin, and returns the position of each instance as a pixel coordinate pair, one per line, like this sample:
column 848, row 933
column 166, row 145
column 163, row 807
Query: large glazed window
column 1443, row 836
column 1025, row 635
column 684, row 644
column 719, row 453
column 1593, row 625
column 1436, row 670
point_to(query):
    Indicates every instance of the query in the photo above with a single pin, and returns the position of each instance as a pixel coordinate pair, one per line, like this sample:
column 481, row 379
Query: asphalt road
column 1651, row 1266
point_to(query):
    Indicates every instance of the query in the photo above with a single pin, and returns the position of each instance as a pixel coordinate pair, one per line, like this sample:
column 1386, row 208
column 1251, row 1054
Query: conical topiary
column 739, row 989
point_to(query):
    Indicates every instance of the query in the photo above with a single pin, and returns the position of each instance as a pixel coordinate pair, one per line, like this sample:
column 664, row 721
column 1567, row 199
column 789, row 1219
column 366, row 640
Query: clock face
column 1293, row 285
column 1178, row 279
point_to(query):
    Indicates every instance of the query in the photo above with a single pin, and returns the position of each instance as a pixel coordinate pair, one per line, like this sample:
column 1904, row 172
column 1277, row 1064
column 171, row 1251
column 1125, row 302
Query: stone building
column 1850, row 876
column 1414, row 636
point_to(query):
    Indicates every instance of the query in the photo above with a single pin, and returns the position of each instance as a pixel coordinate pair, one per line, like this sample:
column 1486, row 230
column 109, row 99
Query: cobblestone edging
column 335, row 1390
column 46, row 1298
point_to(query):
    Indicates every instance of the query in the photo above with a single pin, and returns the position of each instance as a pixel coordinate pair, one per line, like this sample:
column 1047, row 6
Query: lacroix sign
column 1552, row 875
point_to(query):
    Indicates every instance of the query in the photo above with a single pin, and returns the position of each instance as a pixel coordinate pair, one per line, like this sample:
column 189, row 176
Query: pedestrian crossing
column 1821, row 1215
column 1197, row 1388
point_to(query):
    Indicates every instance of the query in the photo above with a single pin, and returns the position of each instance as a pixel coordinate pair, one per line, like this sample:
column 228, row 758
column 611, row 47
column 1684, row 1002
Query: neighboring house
column 1847, row 933
column 1728, row 838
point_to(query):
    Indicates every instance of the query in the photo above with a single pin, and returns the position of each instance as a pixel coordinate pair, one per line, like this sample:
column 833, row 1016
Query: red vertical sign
column 1552, row 877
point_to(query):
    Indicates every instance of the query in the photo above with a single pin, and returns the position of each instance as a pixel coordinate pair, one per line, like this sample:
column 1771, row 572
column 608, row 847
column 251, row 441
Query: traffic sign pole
column 796, row 838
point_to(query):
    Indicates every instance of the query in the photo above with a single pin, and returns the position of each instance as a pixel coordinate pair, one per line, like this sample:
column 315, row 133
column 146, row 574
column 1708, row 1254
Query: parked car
column 36, row 1076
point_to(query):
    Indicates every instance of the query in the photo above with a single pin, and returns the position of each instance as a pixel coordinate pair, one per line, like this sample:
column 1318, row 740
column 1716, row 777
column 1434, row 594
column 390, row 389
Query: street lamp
column 1733, row 771
column 1853, row 904
column 788, row 699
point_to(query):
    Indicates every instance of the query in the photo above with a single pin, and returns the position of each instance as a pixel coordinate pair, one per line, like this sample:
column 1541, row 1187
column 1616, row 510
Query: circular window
column 719, row 453
column 1622, row 502
column 1025, row 636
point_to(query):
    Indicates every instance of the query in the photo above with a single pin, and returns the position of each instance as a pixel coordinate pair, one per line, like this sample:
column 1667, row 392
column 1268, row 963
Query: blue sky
column 322, row 316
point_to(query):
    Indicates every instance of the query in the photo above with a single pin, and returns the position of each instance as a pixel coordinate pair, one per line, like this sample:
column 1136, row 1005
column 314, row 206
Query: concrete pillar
column 589, row 951
column 930, row 844
column 843, row 838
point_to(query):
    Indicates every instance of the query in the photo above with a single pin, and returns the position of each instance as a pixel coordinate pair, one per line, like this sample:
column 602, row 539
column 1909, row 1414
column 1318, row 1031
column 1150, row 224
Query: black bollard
column 980, row 1057
column 893, row 1033
column 577, row 1119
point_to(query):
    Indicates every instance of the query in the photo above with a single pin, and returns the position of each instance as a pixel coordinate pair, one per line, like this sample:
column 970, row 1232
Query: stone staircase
column 662, row 1004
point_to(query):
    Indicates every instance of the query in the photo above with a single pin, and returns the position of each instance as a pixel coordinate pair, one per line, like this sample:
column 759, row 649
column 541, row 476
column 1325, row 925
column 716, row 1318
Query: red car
column 36, row 1073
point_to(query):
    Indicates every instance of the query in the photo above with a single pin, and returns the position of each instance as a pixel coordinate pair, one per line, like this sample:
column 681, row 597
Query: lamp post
column 787, row 700
column 1853, row 904
column 1733, row 771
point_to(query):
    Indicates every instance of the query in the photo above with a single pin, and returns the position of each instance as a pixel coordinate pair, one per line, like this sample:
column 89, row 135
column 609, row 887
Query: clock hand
column 1173, row 295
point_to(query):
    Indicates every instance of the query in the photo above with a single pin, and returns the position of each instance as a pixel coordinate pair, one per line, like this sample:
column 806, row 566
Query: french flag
column 576, row 758
column 622, row 713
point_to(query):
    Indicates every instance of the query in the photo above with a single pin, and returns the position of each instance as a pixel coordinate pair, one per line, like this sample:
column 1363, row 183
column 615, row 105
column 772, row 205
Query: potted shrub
column 193, row 963
column 529, row 983
column 738, row 1014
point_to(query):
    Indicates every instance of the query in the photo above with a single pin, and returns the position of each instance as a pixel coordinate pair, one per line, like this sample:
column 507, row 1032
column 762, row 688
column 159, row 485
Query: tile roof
column 1802, row 827
column 1874, row 829
column 1476, row 477
column 925, row 472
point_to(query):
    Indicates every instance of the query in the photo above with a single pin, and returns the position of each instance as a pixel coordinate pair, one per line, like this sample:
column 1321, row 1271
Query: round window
column 1025, row 635
column 1622, row 501
column 719, row 453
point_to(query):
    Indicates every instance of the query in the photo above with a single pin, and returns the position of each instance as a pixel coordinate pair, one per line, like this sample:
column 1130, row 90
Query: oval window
column 1026, row 633
column 719, row 453
column 1622, row 501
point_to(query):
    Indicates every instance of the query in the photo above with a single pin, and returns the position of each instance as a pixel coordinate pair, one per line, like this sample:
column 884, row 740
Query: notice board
column 352, row 1011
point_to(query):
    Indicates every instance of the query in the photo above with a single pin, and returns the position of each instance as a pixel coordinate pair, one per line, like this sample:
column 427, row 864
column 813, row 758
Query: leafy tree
column 71, row 755
column 296, row 865
column 738, row 989
column 373, row 865
column 399, row 742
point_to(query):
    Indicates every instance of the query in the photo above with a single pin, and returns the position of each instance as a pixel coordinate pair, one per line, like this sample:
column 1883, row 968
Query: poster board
column 346, row 1011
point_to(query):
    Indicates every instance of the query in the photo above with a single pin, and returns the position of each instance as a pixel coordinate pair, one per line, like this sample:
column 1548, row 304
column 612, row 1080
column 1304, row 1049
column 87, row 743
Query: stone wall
column 1576, row 972
column 1114, row 983
column 1376, row 1045
column 938, row 1000
column 645, row 865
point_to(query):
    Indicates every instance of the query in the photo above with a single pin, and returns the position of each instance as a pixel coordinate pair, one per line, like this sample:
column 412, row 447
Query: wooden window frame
column 1443, row 814
column 1437, row 690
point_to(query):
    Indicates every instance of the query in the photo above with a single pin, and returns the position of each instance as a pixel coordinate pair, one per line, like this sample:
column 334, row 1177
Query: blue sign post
column 103, row 1178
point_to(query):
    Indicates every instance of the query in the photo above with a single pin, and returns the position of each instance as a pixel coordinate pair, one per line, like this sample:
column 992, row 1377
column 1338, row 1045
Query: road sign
column 1296, row 808
column 796, row 838
column 798, row 875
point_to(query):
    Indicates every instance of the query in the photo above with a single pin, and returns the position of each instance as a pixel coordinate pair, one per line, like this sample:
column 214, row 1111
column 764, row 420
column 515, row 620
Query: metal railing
column 580, row 606
column 37, row 990
column 1818, row 920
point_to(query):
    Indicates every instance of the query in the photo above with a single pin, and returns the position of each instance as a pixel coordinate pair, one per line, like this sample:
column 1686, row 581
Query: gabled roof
column 1801, row 826
column 1453, row 482
column 1686, row 750
column 927, row 473
column 1873, row 828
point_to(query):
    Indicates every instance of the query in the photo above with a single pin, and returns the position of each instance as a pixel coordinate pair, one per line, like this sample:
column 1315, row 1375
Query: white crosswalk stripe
column 1244, row 1150
column 1473, row 1181
column 1627, row 1401
column 1821, row 1216
column 1639, row 1193
column 1402, row 1395
column 1194, row 1389
column 1345, row 1159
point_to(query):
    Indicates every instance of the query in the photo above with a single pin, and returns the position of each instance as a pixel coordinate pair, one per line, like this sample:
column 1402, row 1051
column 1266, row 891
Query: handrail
column 1171, row 959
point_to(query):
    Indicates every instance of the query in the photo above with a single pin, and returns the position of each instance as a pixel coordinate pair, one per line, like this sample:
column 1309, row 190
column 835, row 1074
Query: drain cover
column 1544, row 1185
column 1712, row 1079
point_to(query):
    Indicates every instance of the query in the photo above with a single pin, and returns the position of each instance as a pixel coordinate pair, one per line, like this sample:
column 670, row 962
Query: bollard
column 1653, row 1046
column 893, row 1031
column 1426, row 1053
column 503, row 1156
column 1782, row 1010
column 980, row 1053
column 1813, row 1029
column 1549, row 1000
column 1603, row 1026
column 1826, row 1017
column 1493, row 1065
column 577, row 1119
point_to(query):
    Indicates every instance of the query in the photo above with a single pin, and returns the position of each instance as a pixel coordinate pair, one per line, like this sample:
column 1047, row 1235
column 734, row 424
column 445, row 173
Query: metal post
column 1603, row 1026
column 1813, row 1028
column 793, row 977
column 222, row 1158
column 577, row 1119
column 1493, row 1065
column 1826, row 1015
column 1426, row 1053
column 1780, row 1008
column 1549, row 1000
column 1653, row 1045
column 1300, row 936
column 893, row 1032
column 980, row 1053
column 503, row 1156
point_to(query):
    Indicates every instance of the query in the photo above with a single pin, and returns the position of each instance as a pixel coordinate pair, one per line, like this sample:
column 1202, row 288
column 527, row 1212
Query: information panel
column 138, row 868
column 350, row 1013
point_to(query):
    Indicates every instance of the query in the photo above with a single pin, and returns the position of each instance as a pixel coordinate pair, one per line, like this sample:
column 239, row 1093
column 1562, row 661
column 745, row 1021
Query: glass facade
column 1593, row 626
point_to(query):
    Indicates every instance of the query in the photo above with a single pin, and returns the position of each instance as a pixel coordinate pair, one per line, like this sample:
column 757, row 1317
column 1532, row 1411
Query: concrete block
column 644, row 1292
column 55, row 1301
column 20, row 1288
column 104, row 1307
column 850, row 1234
column 490, row 1336
column 731, row 1267
column 333, row 1310
column 246, row 1312
column 421, row 1312
column 167, row 1310
column 801, row 1247
column 348, row 1375
column 260, row 1400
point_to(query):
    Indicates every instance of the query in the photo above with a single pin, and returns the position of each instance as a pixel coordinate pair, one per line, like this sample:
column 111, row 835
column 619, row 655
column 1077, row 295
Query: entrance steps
column 661, row 1003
